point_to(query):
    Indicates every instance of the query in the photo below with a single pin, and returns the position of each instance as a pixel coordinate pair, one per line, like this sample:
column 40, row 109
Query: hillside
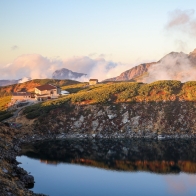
column 126, row 109
column 131, row 92
column 156, row 104
column 6, row 91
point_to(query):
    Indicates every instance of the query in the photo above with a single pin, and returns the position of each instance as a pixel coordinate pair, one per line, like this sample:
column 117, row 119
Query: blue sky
column 126, row 31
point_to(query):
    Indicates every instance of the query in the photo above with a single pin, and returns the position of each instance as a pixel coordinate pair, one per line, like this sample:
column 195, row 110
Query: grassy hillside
column 74, row 88
column 168, row 90
column 6, row 91
column 30, row 85
column 3, row 102
column 3, row 106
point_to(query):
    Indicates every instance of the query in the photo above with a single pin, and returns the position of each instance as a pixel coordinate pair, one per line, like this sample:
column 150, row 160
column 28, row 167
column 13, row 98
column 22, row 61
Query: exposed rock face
column 132, row 73
column 66, row 74
column 13, row 179
column 126, row 120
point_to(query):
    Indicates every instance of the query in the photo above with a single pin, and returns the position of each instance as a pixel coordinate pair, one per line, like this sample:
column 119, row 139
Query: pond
column 111, row 167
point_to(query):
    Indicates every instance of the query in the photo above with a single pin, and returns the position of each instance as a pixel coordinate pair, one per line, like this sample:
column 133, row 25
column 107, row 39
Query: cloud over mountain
column 38, row 66
column 174, row 66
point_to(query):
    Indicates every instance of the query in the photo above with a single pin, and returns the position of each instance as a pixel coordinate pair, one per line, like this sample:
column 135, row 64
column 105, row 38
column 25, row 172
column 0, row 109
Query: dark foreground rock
column 14, row 180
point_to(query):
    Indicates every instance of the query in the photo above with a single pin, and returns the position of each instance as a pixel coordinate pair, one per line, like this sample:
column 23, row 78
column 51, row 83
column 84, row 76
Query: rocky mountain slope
column 132, row 73
column 66, row 74
column 172, row 60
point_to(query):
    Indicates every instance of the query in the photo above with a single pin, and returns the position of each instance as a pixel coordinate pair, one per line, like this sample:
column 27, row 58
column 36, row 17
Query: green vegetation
column 166, row 86
column 106, row 93
column 3, row 107
column 103, row 93
column 74, row 88
column 4, row 115
column 55, row 82
column 189, row 90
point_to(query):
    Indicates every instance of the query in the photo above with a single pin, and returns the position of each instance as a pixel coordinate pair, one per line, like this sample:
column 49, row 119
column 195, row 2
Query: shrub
column 33, row 114
column 5, row 115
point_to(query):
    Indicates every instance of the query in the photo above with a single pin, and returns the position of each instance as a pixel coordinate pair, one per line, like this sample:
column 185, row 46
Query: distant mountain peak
column 65, row 73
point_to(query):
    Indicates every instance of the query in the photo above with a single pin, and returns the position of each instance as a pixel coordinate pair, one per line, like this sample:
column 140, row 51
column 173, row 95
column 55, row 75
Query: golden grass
column 4, row 102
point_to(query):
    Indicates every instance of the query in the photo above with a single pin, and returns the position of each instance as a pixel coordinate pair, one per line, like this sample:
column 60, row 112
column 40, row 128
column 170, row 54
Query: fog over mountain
column 36, row 66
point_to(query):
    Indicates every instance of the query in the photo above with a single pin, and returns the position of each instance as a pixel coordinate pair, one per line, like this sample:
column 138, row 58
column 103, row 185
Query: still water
column 112, row 167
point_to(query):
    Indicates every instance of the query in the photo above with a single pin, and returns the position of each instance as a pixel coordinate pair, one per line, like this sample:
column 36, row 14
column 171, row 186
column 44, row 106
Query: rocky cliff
column 173, row 119
column 13, row 179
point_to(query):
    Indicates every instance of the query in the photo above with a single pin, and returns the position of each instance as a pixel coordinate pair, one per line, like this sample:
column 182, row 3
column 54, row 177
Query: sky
column 119, row 32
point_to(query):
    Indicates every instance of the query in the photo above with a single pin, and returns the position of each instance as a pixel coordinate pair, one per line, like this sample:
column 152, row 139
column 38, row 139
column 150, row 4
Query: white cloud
column 36, row 66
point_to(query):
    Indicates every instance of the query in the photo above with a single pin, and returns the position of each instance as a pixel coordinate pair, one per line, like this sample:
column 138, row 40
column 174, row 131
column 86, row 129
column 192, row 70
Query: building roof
column 93, row 80
column 21, row 94
column 46, row 87
column 64, row 92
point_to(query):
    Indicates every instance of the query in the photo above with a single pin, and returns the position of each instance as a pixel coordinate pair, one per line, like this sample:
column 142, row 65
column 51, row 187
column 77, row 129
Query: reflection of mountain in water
column 168, row 156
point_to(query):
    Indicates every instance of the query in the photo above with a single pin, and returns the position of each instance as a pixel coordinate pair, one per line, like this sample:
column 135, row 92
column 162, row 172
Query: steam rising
column 177, row 66
column 174, row 66
column 183, row 21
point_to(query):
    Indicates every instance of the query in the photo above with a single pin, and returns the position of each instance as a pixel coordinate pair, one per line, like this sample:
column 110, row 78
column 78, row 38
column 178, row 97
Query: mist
column 182, row 20
column 177, row 66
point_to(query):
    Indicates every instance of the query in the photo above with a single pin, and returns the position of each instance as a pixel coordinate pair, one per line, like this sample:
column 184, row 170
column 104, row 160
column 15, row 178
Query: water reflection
column 166, row 156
